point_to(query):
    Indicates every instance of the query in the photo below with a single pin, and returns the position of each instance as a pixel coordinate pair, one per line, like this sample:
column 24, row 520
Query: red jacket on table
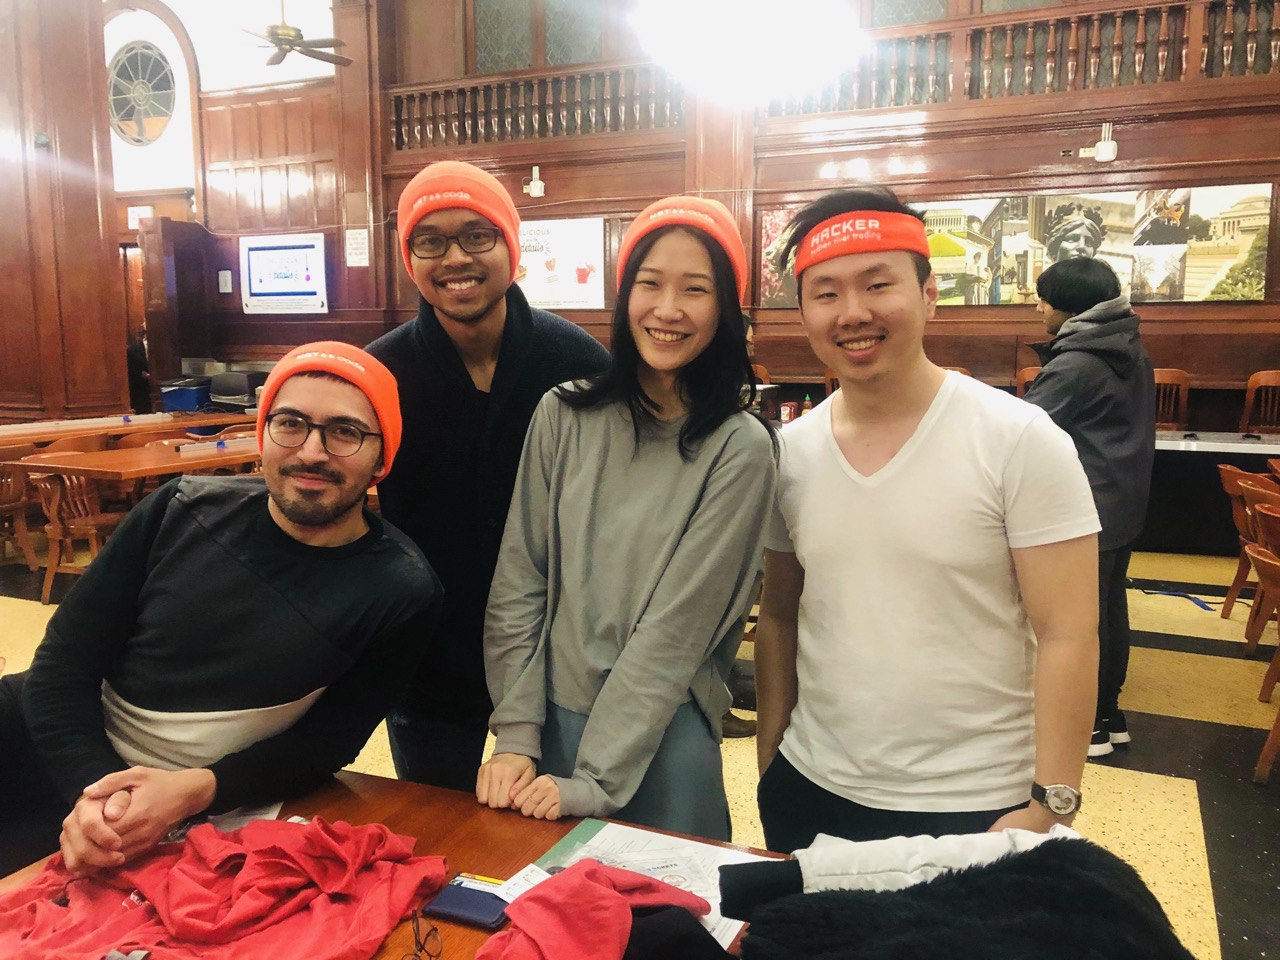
column 269, row 891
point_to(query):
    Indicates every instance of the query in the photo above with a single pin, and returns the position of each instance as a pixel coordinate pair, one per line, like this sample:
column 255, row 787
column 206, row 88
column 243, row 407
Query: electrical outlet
column 224, row 281
column 1066, row 153
column 1087, row 151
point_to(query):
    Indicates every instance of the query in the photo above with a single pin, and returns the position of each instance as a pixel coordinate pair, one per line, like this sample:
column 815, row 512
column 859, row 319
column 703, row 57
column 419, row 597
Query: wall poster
column 1172, row 244
column 562, row 263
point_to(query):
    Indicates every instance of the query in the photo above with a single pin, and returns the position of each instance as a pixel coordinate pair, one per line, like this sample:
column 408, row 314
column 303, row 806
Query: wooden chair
column 1262, row 403
column 1268, row 567
column 1024, row 377
column 1274, row 466
column 133, row 441
column 1231, row 478
column 74, row 512
column 126, row 493
column 84, row 443
column 761, row 373
column 1173, row 387
column 1267, row 536
column 15, row 505
column 832, row 381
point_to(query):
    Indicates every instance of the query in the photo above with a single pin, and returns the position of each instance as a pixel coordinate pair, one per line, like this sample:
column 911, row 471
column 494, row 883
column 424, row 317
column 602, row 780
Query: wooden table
column 139, row 462
column 44, row 431
column 474, row 839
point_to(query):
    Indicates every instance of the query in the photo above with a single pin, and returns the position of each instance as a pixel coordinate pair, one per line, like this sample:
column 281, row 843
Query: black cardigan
column 451, row 485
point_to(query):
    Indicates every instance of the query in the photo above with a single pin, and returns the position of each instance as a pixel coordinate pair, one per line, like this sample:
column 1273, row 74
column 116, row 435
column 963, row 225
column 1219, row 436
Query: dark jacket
column 1097, row 385
column 1063, row 900
column 451, row 484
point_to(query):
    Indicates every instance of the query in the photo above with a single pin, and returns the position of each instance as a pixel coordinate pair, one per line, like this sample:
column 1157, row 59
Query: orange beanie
column 449, row 184
column 353, row 365
column 710, row 216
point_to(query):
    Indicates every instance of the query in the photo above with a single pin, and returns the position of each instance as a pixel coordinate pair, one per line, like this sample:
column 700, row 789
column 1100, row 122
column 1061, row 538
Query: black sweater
column 201, row 604
column 451, row 484
column 1097, row 384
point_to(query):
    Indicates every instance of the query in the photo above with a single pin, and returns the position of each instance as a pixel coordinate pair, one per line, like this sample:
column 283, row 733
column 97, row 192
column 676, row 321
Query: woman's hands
column 509, row 780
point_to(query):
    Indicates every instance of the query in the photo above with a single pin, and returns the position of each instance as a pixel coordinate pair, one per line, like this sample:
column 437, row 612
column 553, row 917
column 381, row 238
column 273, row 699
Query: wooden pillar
column 720, row 161
column 360, row 124
column 62, row 326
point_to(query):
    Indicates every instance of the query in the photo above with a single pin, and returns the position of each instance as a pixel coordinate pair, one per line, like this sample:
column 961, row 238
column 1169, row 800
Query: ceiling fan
column 287, row 39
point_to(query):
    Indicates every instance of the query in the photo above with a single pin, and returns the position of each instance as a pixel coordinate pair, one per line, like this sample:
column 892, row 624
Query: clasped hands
column 510, row 780
column 127, row 813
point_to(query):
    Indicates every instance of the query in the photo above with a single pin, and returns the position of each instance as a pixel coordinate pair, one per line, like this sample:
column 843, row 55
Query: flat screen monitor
column 283, row 274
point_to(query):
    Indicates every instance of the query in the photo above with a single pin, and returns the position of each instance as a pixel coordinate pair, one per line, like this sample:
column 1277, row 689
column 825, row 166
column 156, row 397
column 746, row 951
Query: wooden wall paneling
column 177, row 278
column 359, row 204
column 174, row 204
column 719, row 158
column 78, row 283
column 28, row 328
column 135, row 304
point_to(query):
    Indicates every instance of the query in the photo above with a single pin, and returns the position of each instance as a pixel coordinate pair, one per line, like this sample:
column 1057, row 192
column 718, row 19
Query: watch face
column 1060, row 800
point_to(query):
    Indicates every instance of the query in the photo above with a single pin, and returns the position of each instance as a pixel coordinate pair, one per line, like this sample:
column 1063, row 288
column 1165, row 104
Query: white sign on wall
column 562, row 263
column 283, row 274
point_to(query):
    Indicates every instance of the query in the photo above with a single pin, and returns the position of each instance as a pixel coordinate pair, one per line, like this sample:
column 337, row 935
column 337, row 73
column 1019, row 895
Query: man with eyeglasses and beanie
column 926, row 647
column 472, row 367
column 236, row 641
column 1098, row 385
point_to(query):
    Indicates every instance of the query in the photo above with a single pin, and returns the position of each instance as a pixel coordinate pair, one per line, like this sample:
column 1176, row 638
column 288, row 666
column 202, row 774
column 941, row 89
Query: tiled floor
column 1178, row 804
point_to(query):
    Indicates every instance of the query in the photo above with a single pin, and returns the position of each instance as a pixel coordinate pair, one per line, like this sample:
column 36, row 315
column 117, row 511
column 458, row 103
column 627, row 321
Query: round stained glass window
column 141, row 91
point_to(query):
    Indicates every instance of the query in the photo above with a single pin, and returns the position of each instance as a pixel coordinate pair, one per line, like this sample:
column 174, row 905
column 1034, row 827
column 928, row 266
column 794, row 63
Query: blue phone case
column 464, row 905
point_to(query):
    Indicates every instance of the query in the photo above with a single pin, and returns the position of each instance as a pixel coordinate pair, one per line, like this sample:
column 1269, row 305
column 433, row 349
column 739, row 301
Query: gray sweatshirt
column 622, row 586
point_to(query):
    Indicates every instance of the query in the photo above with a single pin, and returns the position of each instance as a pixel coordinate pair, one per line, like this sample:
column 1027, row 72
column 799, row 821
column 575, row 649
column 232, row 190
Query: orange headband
column 861, row 231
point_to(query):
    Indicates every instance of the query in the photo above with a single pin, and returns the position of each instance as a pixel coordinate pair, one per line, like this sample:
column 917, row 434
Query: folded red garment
column 583, row 913
column 271, row 890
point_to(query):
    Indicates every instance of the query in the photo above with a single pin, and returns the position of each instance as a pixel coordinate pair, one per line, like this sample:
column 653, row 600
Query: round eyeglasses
column 433, row 246
column 338, row 439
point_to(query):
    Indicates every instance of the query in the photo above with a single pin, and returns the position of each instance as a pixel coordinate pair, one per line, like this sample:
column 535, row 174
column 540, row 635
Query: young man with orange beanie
column 472, row 367
column 236, row 641
column 926, row 656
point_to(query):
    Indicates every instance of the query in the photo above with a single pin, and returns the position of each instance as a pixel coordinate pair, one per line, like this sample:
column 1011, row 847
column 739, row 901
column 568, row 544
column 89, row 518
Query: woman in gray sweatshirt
column 632, row 549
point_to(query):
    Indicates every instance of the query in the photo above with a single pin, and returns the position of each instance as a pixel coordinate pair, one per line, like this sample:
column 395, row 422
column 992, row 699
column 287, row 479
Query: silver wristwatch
column 1058, row 798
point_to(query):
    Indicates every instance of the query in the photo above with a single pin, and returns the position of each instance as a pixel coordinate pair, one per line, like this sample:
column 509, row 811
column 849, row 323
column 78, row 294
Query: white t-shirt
column 916, row 659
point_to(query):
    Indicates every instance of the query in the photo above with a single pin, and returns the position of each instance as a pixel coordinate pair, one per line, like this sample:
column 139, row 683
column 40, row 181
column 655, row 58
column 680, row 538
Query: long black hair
column 715, row 385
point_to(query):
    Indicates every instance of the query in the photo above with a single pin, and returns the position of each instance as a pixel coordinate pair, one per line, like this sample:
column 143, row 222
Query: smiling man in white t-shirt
column 926, row 655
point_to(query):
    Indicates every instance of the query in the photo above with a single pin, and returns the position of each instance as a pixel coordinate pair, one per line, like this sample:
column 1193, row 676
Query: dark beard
column 306, row 513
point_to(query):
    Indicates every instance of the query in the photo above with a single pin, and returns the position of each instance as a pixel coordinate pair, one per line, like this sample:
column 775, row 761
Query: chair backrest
column 831, row 380
column 134, row 440
column 1255, row 494
column 1274, row 466
column 1261, row 403
column 13, row 482
column 761, row 373
column 1173, row 387
column 16, row 451
column 171, row 442
column 1024, row 377
column 84, row 443
column 1232, row 478
column 48, row 487
column 1266, row 521
column 1268, row 566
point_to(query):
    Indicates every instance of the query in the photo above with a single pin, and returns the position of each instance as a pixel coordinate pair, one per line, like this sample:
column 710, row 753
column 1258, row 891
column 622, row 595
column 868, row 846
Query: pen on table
column 476, row 876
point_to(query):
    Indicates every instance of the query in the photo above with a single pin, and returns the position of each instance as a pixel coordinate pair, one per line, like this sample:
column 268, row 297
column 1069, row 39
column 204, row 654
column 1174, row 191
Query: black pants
column 31, row 809
column 437, row 751
column 1113, row 628
column 794, row 810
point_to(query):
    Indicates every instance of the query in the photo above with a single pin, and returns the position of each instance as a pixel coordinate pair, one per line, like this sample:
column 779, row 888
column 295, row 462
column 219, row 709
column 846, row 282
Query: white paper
column 357, row 247
column 562, row 263
column 283, row 273
column 525, row 880
column 685, row 864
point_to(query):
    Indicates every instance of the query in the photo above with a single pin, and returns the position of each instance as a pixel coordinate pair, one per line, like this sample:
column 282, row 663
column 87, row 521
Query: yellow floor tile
column 1185, row 568
column 1153, row 823
column 1178, row 615
column 22, row 626
column 1196, row 687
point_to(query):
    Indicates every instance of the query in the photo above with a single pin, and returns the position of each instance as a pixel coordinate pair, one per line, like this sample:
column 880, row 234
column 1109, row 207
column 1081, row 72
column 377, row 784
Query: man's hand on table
column 502, row 777
column 127, row 813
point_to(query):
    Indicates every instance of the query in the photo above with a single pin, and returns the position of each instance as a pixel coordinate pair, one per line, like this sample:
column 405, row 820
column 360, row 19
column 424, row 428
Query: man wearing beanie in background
column 472, row 367
column 926, row 652
column 237, row 640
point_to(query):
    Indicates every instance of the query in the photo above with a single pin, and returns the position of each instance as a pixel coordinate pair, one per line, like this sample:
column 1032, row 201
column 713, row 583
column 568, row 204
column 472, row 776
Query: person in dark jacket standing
column 1097, row 384
column 471, row 368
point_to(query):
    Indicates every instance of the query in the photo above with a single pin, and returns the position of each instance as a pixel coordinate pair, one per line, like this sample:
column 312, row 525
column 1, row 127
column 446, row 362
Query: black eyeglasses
column 338, row 439
column 428, row 945
column 433, row 246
